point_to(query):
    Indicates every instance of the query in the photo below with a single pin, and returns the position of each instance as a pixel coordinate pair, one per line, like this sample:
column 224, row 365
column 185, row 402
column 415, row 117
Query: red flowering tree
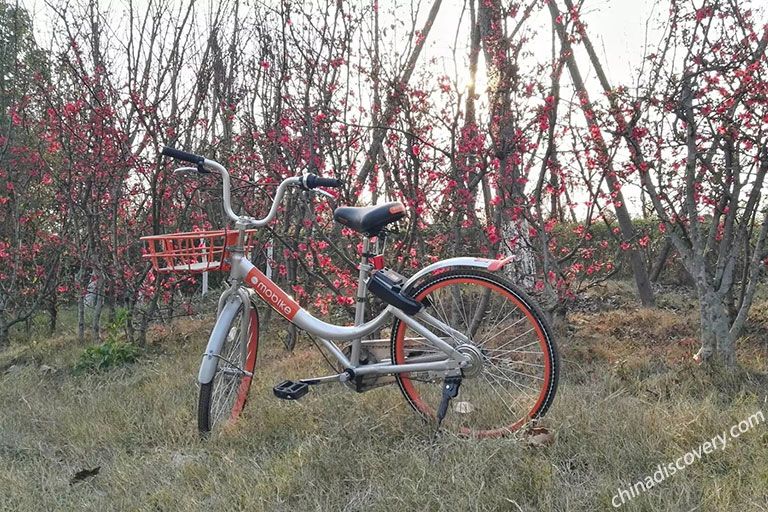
column 30, row 248
column 352, row 91
column 705, row 159
column 697, row 145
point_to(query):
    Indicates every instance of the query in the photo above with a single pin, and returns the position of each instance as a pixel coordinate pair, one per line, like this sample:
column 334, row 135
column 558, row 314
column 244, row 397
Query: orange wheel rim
column 423, row 407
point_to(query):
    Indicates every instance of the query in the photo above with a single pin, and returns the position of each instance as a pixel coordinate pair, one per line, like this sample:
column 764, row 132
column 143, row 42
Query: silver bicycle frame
column 242, row 282
column 246, row 280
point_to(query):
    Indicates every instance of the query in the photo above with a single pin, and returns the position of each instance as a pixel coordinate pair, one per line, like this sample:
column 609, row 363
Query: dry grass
column 627, row 403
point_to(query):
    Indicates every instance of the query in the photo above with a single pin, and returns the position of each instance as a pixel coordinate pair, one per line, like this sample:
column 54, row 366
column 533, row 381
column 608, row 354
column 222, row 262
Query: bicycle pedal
column 289, row 390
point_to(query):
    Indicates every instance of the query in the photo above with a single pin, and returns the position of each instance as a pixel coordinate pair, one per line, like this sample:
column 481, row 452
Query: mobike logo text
column 274, row 296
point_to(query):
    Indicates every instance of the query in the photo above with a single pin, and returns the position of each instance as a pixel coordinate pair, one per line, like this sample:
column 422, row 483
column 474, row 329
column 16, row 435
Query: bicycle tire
column 481, row 408
column 215, row 409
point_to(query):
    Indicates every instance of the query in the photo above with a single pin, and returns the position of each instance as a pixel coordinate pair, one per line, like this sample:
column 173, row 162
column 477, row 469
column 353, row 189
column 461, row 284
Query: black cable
column 332, row 366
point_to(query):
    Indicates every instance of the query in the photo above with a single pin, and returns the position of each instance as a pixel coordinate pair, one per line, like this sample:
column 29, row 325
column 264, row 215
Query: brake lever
column 185, row 171
column 323, row 192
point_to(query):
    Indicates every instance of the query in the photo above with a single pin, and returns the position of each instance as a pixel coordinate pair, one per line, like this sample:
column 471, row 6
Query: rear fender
column 463, row 262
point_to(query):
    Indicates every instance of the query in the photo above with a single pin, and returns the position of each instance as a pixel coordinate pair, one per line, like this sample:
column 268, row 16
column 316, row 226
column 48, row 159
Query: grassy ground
column 630, row 399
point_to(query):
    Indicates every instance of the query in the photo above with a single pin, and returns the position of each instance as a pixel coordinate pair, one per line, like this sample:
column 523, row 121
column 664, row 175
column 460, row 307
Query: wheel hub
column 475, row 366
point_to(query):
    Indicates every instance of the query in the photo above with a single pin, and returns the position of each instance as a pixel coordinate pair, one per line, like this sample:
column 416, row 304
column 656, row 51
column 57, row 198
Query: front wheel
column 515, row 367
column 223, row 398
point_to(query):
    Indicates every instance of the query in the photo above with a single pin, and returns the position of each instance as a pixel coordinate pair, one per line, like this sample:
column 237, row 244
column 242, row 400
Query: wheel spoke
column 515, row 351
column 506, row 371
column 504, row 377
column 496, row 391
column 463, row 310
column 513, row 339
column 496, row 322
column 525, row 363
column 444, row 316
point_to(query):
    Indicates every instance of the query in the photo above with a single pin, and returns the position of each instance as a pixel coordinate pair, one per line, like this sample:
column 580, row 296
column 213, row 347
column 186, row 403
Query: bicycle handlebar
column 182, row 155
column 309, row 181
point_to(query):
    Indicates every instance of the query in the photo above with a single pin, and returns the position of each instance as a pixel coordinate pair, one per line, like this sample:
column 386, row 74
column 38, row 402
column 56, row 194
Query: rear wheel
column 223, row 399
column 515, row 366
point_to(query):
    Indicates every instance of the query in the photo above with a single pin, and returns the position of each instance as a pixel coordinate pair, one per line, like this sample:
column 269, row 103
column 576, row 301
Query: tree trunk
column 292, row 268
column 558, row 314
column 81, row 304
column 130, row 330
column 636, row 258
column 81, row 318
column 147, row 317
column 111, row 307
column 503, row 79
column 3, row 325
column 97, row 308
column 53, row 313
column 265, row 321
column 290, row 338
column 661, row 261
column 716, row 340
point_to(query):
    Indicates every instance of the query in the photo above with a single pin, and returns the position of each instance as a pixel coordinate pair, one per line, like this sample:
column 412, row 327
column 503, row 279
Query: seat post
column 362, row 290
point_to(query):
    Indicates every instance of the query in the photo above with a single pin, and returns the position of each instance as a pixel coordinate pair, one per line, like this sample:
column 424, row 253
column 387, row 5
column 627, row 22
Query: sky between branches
column 620, row 30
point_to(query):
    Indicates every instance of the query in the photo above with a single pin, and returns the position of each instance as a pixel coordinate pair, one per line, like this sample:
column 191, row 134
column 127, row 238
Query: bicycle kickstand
column 450, row 390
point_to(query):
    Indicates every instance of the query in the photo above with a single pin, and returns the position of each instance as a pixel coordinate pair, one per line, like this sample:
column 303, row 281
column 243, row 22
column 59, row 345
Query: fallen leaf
column 83, row 474
column 540, row 436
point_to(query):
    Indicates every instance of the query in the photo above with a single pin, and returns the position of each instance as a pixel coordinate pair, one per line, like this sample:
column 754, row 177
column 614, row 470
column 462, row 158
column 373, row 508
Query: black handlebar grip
column 316, row 181
column 182, row 155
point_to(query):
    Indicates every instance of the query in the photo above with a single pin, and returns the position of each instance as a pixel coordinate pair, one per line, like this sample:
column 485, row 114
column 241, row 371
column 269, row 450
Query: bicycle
column 460, row 331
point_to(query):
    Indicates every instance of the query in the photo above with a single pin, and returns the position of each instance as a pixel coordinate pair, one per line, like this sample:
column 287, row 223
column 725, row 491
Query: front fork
column 225, row 318
column 218, row 335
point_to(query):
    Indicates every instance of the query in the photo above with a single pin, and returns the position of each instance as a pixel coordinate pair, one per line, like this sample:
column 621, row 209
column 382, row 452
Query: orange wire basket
column 194, row 252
